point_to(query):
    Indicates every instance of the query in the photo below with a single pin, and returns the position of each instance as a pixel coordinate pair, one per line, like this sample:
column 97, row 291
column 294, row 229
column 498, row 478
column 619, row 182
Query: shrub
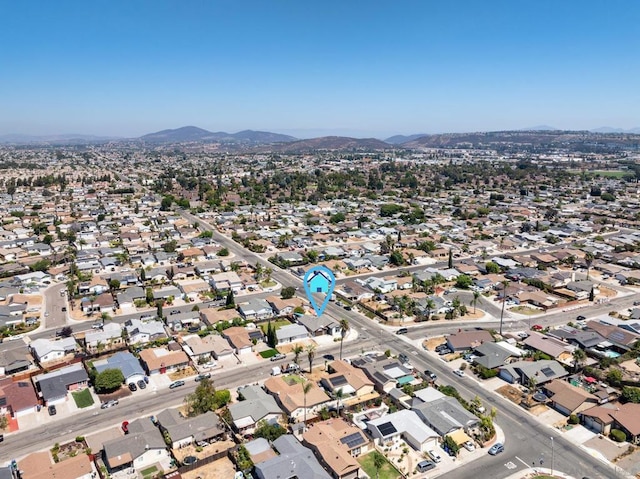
column 618, row 435
column 574, row 419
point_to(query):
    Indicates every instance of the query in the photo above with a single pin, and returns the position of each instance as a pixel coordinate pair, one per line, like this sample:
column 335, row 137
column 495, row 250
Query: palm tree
column 430, row 305
column 259, row 270
column 339, row 395
column 588, row 259
column 474, row 301
column 578, row 358
column 311, row 353
column 297, row 351
column 344, row 329
column 505, row 283
column 378, row 462
column 305, row 389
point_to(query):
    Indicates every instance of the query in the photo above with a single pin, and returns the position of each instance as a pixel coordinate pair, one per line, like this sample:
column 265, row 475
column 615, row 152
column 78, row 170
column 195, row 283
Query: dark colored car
column 200, row 377
column 52, row 410
column 142, row 384
column 133, row 387
column 402, row 331
column 430, row 374
column 176, row 384
column 581, row 318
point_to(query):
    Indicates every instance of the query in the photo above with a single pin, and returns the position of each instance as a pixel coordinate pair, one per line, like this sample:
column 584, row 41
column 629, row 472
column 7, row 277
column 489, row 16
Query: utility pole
column 552, row 455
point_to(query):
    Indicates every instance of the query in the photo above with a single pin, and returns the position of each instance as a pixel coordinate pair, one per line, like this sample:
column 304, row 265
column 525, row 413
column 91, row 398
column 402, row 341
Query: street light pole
column 552, row 455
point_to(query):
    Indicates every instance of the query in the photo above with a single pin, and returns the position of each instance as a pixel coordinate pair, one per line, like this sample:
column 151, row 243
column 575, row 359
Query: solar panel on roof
column 617, row 336
column 387, row 428
column 353, row 440
column 338, row 381
column 548, row 372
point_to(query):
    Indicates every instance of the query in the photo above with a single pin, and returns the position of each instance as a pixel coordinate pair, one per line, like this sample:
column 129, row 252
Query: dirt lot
column 209, row 450
column 512, row 393
column 431, row 343
column 220, row 469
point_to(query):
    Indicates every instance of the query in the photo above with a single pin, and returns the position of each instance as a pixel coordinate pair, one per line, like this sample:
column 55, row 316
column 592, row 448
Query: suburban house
column 390, row 429
column 319, row 326
column 227, row 281
column 45, row 350
column 202, row 350
column 141, row 448
column 239, row 339
column 467, row 340
column 385, row 372
column 142, row 332
column 17, row 398
column 526, row 372
column 555, row 348
column 54, row 386
column 336, row 444
column 284, row 307
column 291, row 333
column 126, row 299
column 211, row 316
column 255, row 309
column 445, row 415
column 353, row 382
column 109, row 336
column 162, row 360
column 16, row 360
column 292, row 399
column 491, row 355
column 125, row 362
column 294, row 460
column 204, row 428
column 625, row 417
column 567, row 398
column 255, row 405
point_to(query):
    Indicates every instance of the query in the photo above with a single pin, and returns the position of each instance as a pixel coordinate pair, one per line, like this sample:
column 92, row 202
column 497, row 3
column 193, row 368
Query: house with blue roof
column 125, row 362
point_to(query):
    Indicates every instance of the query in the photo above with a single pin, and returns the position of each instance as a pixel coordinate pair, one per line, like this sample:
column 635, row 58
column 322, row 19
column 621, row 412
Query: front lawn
column 268, row 353
column 82, row 398
column 387, row 471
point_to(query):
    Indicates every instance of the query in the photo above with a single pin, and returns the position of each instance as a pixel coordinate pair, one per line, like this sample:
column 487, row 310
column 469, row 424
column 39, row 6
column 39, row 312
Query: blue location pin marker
column 319, row 279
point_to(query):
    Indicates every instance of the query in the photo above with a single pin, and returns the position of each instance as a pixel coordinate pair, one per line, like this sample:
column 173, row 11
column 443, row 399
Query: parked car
column 98, row 325
column 583, row 318
column 52, row 410
column 176, row 384
column 434, row 456
column 459, row 372
column 278, row 357
column 142, row 384
column 442, row 346
column 402, row 331
column 468, row 445
column 108, row 404
column 497, row 448
column 425, row 466
column 64, row 308
column 403, row 358
column 200, row 377
column 132, row 387
column 430, row 374
column 537, row 327
column 444, row 351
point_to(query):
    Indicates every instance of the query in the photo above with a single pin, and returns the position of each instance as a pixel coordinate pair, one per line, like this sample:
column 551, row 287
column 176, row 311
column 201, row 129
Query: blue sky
column 304, row 67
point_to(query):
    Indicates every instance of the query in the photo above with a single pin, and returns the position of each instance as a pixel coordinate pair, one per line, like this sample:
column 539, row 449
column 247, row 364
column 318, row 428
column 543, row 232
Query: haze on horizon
column 357, row 68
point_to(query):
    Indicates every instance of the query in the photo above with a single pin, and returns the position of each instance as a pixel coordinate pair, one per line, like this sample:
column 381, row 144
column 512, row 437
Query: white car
column 469, row 446
column 435, row 457
column 459, row 372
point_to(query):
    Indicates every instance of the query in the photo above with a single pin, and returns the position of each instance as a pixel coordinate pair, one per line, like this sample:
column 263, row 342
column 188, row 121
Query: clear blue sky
column 306, row 67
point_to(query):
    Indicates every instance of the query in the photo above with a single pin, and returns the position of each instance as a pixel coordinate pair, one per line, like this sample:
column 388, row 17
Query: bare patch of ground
column 209, row 450
column 431, row 343
column 512, row 393
column 222, row 468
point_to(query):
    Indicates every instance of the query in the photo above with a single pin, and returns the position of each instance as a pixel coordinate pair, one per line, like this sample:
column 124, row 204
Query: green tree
column 378, row 461
column 492, row 268
column 114, row 284
column 396, row 258
column 297, row 351
column 476, row 298
column 464, row 281
column 108, row 380
column 201, row 400
column 344, row 329
column 270, row 432
column 588, row 259
column 306, row 387
column 230, row 302
column 450, row 262
column 149, row 295
column 288, row 292
column 614, row 377
column 630, row 394
column 451, row 444
column 41, row 265
column 579, row 357
column 223, row 252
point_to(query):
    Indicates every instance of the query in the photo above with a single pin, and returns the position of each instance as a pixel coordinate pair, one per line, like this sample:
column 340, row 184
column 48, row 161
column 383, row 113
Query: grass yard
column 276, row 324
column 293, row 379
column 82, row 398
column 269, row 353
column 149, row 471
column 386, row 472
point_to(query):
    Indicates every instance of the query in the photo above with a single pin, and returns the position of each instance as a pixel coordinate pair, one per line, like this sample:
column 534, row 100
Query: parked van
column 276, row 371
column 426, row 466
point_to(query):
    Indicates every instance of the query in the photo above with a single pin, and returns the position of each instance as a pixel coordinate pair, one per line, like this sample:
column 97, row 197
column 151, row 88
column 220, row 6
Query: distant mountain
column 609, row 129
column 541, row 128
column 332, row 143
column 186, row 133
column 193, row 133
column 399, row 139
column 67, row 138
